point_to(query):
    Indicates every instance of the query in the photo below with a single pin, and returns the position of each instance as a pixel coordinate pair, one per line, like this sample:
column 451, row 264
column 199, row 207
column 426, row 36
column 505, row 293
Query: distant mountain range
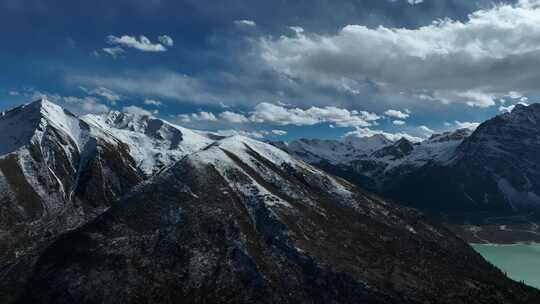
column 493, row 170
column 125, row 208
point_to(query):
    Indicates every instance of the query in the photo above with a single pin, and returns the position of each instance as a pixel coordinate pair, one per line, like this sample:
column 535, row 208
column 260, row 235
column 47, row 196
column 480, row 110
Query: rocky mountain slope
column 493, row 170
column 131, row 209
column 154, row 143
column 59, row 171
column 243, row 222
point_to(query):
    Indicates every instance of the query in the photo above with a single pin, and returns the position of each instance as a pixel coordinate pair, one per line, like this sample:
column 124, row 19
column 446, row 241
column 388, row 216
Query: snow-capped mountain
column 244, row 222
column 370, row 160
column 494, row 169
column 59, row 171
column 154, row 143
column 208, row 219
column 506, row 150
column 334, row 151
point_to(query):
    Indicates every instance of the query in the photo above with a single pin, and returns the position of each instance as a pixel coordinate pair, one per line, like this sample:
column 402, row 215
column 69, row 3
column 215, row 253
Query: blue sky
column 317, row 68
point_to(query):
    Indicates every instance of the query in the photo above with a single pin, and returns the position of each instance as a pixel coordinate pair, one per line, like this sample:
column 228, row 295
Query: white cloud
column 497, row 48
column 91, row 106
column 136, row 111
column 200, row 116
column 510, row 108
column 152, row 102
column 233, row 117
column 514, row 95
column 113, row 51
column 426, row 129
column 411, row 2
column 366, row 132
column 398, row 122
column 397, row 114
column 473, row 98
column 142, row 44
column 184, row 118
column 162, row 84
column 109, row 95
column 281, row 115
column 466, row 125
column 279, row 132
column 204, row 116
column 166, row 40
column 75, row 104
column 253, row 134
column 245, row 22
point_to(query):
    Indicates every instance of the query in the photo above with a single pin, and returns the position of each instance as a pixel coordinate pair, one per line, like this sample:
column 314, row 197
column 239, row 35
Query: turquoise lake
column 520, row 262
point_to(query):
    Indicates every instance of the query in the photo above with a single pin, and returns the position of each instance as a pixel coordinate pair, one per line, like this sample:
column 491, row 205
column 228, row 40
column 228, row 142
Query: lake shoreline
column 501, row 233
column 507, row 244
column 521, row 262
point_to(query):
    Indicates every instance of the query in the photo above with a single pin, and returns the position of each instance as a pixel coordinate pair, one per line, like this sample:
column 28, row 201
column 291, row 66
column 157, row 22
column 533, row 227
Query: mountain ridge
column 244, row 213
column 489, row 170
column 235, row 212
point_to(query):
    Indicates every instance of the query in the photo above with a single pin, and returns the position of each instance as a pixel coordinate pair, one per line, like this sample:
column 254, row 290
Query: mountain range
column 462, row 175
column 125, row 208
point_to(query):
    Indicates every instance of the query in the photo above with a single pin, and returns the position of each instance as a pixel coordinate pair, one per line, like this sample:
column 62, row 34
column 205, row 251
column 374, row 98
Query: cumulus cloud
column 76, row 104
column 166, row 40
column 253, row 134
column 113, row 51
column 497, row 48
column 398, row 122
column 510, row 108
column 411, row 2
column 282, row 115
column 136, row 111
column 200, row 116
column 142, row 43
column 466, row 125
column 233, row 117
column 366, row 132
column 279, row 132
column 397, row 114
column 426, row 129
column 245, row 22
column 153, row 102
column 109, row 95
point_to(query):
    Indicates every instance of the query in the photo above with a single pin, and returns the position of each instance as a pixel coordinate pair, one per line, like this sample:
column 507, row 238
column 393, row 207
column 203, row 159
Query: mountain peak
column 459, row 134
column 21, row 124
column 523, row 112
column 399, row 149
column 368, row 143
column 43, row 105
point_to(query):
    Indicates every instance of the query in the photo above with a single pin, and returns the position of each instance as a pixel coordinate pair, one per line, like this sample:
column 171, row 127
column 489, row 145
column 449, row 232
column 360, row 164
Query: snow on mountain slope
column 56, row 173
column 368, row 143
column 334, row 151
column 27, row 123
column 439, row 149
column 154, row 143
column 244, row 148
column 243, row 222
column 376, row 154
